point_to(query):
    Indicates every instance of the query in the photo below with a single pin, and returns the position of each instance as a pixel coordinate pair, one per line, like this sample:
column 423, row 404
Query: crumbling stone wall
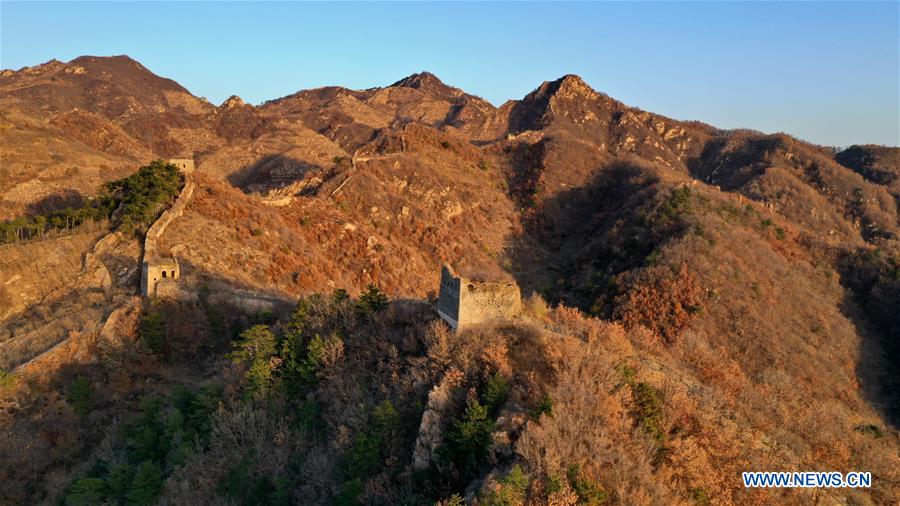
column 156, row 269
column 448, row 297
column 463, row 302
column 159, row 226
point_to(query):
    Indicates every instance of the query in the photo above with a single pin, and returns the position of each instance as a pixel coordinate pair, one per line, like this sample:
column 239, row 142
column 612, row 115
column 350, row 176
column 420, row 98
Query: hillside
column 700, row 302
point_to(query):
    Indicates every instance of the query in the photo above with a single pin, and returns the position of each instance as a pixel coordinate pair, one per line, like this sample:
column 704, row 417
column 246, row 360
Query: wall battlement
column 463, row 302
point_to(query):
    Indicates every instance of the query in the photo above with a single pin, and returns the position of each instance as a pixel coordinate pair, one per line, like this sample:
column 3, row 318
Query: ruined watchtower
column 463, row 301
column 185, row 165
column 156, row 274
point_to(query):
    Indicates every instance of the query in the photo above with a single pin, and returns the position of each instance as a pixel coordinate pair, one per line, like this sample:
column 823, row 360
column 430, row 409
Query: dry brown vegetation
column 586, row 409
column 717, row 302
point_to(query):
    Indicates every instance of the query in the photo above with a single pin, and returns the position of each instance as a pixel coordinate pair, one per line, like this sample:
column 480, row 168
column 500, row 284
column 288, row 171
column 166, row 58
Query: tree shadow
column 54, row 202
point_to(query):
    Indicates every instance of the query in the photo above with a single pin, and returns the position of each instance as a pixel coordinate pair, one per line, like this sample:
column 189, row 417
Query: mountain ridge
column 688, row 290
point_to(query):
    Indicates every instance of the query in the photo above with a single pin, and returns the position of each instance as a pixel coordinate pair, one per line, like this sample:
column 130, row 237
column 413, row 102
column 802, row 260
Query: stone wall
column 159, row 226
column 448, row 297
column 155, row 271
column 154, row 266
column 483, row 302
column 464, row 302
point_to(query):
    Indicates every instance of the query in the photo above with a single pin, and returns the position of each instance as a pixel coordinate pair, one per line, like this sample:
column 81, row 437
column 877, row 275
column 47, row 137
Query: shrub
column 147, row 484
column 511, row 489
column 678, row 204
column 153, row 330
column 364, row 457
column 544, row 407
column 86, row 492
column 349, row 493
column 303, row 356
column 196, row 409
column 496, row 391
column 588, row 492
column 454, row 500
column 80, row 395
column 7, row 379
column 320, row 353
column 699, row 496
column 647, row 410
column 235, row 480
column 536, row 307
column 119, row 480
column 308, row 418
column 661, row 298
column 256, row 348
column 241, row 487
column 869, row 430
column 385, row 417
column 468, row 441
column 371, row 301
column 145, row 438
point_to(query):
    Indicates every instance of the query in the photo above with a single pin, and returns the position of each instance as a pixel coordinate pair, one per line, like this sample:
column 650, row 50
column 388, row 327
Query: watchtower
column 156, row 271
column 463, row 301
column 185, row 165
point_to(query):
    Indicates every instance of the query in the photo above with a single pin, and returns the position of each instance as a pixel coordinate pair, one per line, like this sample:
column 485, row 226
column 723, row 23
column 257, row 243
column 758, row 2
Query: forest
column 131, row 204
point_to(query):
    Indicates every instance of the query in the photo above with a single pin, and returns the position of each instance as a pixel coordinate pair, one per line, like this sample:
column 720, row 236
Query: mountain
column 93, row 118
column 699, row 302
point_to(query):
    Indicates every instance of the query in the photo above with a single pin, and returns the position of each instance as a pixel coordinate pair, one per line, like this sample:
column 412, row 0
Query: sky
column 826, row 72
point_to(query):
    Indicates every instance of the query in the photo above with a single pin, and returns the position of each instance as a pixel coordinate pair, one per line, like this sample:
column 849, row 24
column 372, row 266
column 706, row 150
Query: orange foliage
column 658, row 298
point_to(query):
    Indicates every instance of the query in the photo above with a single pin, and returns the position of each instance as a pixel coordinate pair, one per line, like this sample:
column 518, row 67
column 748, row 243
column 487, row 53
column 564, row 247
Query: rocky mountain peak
column 426, row 82
column 35, row 70
column 232, row 102
column 419, row 80
column 569, row 87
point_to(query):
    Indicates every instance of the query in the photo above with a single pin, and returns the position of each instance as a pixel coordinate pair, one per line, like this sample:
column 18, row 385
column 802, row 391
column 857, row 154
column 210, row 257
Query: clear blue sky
column 825, row 72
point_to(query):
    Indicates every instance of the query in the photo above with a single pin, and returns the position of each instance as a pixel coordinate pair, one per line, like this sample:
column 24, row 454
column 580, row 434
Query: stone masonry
column 185, row 165
column 463, row 302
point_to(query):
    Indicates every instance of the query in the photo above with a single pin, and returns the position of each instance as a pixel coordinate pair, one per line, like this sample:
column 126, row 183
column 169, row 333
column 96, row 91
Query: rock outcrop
column 440, row 405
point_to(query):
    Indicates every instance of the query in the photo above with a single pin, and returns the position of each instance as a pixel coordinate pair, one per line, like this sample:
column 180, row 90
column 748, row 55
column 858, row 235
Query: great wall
column 158, row 273
column 161, row 274
column 464, row 302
